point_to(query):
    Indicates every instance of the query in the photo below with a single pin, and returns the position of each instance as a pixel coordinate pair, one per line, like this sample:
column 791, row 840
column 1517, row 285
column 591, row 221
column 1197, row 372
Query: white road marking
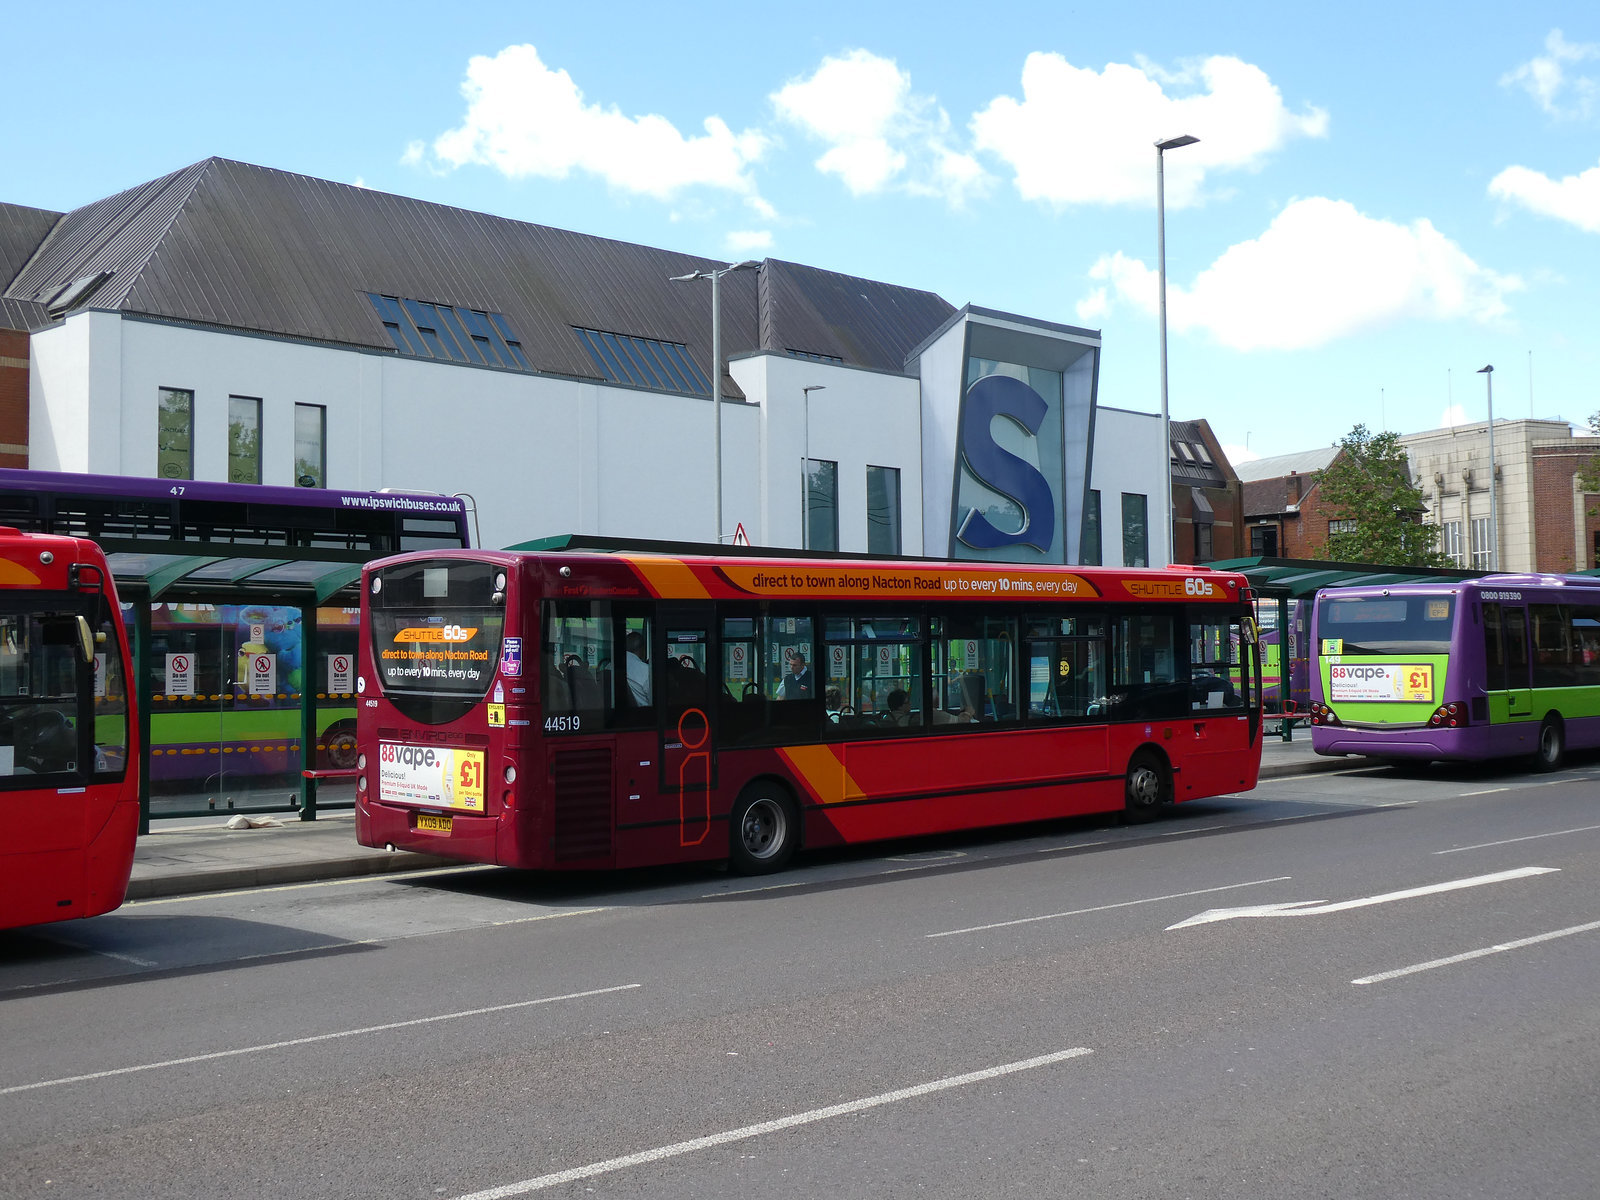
column 374, row 877
column 1485, row 791
column 1312, row 908
column 1078, row 912
column 542, row 1182
column 1074, row 846
column 320, row 1037
column 1472, row 954
column 1531, row 837
column 71, row 945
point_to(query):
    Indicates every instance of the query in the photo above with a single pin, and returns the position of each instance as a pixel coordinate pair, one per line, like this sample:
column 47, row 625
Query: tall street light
column 805, row 470
column 1161, row 255
column 1494, row 512
column 715, row 276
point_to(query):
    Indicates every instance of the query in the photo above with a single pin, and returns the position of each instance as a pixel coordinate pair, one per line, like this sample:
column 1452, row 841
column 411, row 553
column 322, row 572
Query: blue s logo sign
column 1002, row 396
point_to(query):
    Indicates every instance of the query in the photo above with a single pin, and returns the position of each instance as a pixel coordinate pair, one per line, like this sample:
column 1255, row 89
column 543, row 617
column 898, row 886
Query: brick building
column 21, row 229
column 1207, row 497
column 1283, row 513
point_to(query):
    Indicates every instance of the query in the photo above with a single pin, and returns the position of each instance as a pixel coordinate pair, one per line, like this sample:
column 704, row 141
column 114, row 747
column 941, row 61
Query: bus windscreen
column 436, row 633
column 1387, row 624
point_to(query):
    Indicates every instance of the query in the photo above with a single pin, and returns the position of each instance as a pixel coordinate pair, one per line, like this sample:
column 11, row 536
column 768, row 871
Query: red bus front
column 69, row 802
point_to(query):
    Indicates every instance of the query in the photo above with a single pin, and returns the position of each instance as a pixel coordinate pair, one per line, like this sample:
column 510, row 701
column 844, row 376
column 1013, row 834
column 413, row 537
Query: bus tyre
column 1148, row 787
column 1552, row 745
column 763, row 830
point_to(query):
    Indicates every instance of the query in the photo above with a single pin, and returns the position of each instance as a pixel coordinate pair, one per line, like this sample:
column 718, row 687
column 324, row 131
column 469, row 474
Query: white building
column 233, row 322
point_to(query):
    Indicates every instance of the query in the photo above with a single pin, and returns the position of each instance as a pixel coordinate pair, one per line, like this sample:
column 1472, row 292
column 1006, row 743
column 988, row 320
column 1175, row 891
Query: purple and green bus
column 1496, row 667
column 234, row 648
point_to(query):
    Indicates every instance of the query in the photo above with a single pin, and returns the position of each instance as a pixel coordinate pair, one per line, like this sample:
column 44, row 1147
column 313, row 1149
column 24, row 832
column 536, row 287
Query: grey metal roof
column 1303, row 462
column 21, row 231
column 239, row 246
column 22, row 314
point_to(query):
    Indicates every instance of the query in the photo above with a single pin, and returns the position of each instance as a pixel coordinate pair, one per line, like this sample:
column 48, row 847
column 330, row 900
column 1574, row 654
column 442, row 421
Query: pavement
column 179, row 858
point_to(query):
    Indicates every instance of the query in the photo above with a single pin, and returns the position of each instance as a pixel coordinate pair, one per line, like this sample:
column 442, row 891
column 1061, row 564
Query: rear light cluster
column 1321, row 714
column 1451, row 716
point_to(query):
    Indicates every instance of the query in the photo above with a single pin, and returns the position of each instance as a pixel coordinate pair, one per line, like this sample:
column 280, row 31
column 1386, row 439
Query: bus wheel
column 1552, row 745
column 1148, row 787
column 763, row 830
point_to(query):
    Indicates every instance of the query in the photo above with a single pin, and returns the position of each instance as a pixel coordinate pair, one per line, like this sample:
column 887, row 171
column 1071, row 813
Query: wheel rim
column 762, row 830
column 1144, row 785
column 1549, row 744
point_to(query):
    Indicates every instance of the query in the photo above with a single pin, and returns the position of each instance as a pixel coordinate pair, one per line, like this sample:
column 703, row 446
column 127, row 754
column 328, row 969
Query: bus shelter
column 1286, row 586
column 245, row 667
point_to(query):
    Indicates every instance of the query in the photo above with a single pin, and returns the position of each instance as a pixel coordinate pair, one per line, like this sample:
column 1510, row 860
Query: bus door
column 1505, row 654
column 687, row 714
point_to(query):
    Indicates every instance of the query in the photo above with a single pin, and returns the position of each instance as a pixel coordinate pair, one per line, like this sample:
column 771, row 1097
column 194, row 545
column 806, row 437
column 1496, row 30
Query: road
column 1027, row 1013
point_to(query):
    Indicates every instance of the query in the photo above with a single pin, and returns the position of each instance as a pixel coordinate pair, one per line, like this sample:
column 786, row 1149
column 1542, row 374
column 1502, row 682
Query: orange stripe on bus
column 669, row 578
column 821, row 773
column 14, row 574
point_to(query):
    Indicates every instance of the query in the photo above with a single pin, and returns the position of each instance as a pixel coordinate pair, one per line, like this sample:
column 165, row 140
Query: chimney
column 1292, row 483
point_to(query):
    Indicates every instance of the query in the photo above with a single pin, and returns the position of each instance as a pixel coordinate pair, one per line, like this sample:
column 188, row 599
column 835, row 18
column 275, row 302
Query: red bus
column 582, row 710
column 69, row 779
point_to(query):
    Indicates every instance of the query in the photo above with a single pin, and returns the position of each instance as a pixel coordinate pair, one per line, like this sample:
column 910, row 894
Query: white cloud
column 1574, row 199
column 1452, row 416
column 747, row 241
column 1239, row 454
column 525, row 119
column 1094, row 306
column 880, row 134
column 1544, row 77
column 1321, row 271
column 1080, row 136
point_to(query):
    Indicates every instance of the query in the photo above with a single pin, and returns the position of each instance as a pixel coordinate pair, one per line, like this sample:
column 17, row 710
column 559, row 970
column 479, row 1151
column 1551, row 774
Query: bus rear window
column 1387, row 624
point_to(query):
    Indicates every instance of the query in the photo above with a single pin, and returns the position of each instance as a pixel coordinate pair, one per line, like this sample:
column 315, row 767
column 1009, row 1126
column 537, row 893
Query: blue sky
column 1384, row 198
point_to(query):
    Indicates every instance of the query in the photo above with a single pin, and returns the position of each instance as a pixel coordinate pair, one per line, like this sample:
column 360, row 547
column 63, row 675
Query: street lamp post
column 805, row 469
column 1161, row 255
column 1494, row 511
column 715, row 276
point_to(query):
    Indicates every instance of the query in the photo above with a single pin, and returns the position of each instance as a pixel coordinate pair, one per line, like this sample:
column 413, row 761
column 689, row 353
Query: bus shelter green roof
column 150, row 576
column 1302, row 578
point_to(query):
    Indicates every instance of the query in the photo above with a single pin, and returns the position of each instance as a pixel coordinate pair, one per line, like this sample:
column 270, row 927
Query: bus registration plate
column 437, row 822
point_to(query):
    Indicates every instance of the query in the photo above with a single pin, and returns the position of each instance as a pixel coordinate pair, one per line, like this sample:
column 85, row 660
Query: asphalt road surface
column 1367, row 984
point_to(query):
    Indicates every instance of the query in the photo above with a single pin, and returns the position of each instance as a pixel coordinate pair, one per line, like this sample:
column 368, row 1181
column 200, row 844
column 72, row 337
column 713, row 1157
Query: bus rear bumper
column 1419, row 744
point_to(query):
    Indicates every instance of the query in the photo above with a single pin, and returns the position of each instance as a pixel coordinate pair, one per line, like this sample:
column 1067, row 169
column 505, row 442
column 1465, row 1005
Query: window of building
column 1202, row 542
column 883, row 510
column 451, row 332
column 310, row 445
column 822, row 504
column 1450, row 542
column 1264, row 541
column 244, row 439
column 1089, row 551
column 1135, row 530
column 1345, row 526
column 1482, row 558
column 644, row 362
column 175, row 434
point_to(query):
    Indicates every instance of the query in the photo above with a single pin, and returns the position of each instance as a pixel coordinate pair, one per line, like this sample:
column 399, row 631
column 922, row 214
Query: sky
column 1384, row 197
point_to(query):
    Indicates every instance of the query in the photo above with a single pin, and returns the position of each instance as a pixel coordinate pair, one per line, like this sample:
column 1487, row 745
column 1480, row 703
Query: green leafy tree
column 1368, row 487
column 1589, row 473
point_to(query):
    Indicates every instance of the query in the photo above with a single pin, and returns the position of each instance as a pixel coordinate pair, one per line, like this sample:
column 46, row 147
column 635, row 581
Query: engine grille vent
column 581, row 784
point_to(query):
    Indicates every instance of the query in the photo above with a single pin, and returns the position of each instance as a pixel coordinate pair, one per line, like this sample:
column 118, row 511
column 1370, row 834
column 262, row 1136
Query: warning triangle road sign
column 740, row 537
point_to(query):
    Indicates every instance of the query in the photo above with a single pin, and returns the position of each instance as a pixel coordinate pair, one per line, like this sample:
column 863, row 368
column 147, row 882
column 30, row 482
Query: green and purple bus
column 1496, row 667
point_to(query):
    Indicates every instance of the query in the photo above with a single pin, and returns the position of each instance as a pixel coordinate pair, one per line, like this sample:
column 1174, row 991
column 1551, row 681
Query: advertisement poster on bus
column 1381, row 681
column 433, row 776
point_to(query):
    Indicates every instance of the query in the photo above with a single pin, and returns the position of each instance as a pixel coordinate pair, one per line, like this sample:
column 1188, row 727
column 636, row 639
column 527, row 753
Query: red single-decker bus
column 69, row 781
column 581, row 710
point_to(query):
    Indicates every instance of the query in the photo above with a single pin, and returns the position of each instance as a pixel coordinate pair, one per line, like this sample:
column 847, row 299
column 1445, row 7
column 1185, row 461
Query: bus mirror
column 85, row 638
column 1251, row 635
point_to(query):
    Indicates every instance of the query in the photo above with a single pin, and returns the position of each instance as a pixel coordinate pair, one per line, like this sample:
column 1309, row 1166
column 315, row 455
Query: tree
column 1367, row 487
column 1589, row 473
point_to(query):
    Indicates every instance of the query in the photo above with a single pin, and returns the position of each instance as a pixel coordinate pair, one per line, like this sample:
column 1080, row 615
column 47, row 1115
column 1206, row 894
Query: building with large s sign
column 233, row 322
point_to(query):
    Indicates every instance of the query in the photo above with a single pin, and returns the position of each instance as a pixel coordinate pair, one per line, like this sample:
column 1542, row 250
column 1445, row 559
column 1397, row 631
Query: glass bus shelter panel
column 334, row 699
column 226, row 686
